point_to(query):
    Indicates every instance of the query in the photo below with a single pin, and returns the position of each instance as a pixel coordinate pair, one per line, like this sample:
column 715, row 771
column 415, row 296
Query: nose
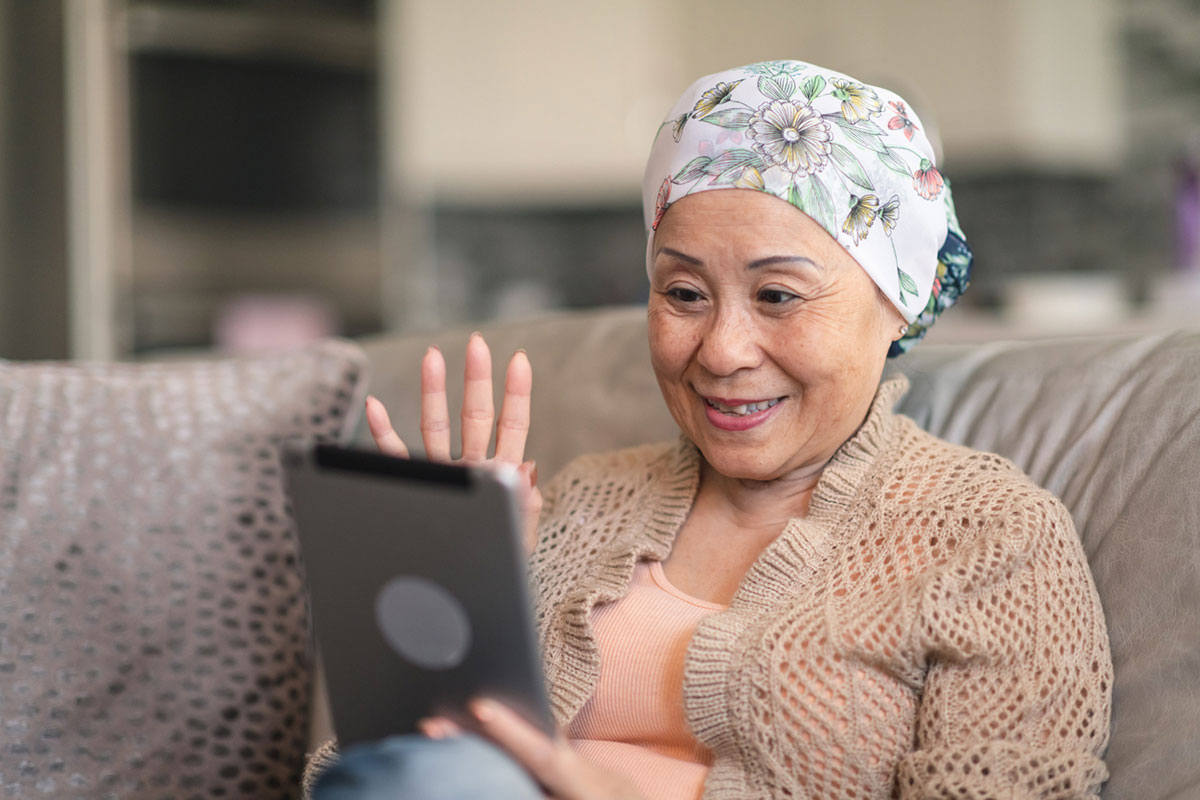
column 728, row 344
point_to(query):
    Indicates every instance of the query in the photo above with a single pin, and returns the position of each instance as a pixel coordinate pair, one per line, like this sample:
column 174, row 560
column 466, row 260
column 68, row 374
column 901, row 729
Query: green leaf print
column 850, row 166
column 775, row 68
column 813, row 86
column 794, row 196
column 818, row 203
column 906, row 285
column 727, row 167
column 692, row 170
column 779, row 88
column 892, row 162
column 734, row 118
column 863, row 134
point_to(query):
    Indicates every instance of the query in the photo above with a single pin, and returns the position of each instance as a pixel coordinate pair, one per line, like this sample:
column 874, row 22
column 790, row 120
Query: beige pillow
column 153, row 626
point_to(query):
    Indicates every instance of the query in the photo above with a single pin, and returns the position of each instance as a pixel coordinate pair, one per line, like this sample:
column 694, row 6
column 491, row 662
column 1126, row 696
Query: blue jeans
column 417, row 768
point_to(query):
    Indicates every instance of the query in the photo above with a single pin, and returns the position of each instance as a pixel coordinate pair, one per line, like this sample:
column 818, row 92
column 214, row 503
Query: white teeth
column 743, row 409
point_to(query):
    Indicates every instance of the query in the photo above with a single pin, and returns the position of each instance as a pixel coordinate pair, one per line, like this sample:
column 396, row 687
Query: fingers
column 551, row 761
column 435, row 414
column 548, row 760
column 386, row 438
column 513, row 427
column 438, row 727
column 478, row 411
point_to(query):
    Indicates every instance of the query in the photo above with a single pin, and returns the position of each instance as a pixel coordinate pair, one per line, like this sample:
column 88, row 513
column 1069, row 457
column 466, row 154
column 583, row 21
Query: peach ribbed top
column 634, row 723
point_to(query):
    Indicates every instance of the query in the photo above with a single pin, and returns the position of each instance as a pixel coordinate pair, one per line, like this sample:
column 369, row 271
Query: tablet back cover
column 418, row 590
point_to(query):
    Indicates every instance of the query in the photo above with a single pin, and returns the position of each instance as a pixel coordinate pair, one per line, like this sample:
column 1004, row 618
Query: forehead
column 745, row 224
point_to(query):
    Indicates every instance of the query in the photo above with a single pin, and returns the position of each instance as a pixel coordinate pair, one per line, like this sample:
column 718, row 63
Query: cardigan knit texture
column 929, row 629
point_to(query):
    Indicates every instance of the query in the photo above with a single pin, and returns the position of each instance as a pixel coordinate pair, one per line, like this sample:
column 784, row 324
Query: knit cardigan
column 929, row 629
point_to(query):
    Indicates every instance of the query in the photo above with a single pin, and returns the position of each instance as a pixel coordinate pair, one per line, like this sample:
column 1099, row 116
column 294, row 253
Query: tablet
column 418, row 589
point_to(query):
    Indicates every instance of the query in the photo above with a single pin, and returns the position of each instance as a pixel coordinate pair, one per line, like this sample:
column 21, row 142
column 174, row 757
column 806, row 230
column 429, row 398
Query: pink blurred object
column 1187, row 208
column 260, row 323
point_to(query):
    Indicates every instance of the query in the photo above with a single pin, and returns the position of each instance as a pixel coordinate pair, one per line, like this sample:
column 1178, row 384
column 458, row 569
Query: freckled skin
column 813, row 330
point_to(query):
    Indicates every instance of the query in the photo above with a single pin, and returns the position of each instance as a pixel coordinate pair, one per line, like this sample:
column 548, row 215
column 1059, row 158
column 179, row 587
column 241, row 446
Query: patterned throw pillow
column 153, row 625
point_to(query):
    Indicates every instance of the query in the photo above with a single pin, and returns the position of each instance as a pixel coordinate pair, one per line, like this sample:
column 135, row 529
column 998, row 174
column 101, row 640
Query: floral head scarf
column 853, row 157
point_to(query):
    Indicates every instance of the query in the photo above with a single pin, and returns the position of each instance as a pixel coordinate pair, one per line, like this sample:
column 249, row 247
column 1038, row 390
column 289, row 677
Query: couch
column 1111, row 424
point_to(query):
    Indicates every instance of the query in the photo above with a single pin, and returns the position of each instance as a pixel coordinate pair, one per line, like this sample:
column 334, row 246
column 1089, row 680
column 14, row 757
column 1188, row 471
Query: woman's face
column 767, row 338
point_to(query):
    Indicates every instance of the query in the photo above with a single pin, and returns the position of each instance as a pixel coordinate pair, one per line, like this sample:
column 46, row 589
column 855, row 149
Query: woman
column 806, row 595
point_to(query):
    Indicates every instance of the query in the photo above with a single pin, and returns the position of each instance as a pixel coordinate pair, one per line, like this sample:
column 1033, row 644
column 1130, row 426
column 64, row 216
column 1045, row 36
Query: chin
column 739, row 463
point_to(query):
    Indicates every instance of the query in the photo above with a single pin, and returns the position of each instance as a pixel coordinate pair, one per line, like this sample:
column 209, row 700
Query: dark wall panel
column 33, row 231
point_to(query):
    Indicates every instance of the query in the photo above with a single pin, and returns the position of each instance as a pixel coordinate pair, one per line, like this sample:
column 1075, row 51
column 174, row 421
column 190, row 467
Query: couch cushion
column 1111, row 426
column 153, row 628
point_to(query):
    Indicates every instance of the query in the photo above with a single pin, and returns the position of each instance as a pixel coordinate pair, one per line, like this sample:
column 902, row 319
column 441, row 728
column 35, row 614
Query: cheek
column 809, row 353
column 826, row 356
column 672, row 340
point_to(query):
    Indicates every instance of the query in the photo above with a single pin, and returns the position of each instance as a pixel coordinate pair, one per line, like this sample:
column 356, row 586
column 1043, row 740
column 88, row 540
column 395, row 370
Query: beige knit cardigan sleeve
column 1016, row 697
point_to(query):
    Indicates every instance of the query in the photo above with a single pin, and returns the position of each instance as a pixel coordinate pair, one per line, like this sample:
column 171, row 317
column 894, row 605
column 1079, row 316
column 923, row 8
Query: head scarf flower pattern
column 853, row 157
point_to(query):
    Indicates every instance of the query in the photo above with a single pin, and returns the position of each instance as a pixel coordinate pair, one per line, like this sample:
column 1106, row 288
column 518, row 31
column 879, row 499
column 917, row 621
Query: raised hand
column 478, row 417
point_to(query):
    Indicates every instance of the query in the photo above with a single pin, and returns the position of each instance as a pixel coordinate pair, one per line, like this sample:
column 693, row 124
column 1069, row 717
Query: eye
column 683, row 294
column 776, row 296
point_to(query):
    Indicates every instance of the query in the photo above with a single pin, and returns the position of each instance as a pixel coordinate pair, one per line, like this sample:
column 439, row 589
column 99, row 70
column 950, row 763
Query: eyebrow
column 755, row 264
column 771, row 260
column 681, row 256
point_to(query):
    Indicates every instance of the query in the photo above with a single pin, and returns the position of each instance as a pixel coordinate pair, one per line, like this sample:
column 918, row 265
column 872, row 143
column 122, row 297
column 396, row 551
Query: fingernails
column 533, row 474
column 521, row 350
column 476, row 334
column 434, row 348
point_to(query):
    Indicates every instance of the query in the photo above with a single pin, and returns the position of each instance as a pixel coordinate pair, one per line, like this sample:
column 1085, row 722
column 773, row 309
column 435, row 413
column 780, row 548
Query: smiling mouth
column 741, row 409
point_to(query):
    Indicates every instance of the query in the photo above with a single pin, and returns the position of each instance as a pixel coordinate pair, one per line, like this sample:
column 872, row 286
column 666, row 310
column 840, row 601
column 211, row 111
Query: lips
column 740, row 408
column 729, row 414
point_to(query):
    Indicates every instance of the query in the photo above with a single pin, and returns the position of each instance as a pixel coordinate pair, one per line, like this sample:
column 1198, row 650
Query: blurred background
column 250, row 174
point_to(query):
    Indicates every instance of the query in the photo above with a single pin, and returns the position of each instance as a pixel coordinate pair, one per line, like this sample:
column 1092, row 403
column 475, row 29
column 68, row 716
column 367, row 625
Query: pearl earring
column 903, row 329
